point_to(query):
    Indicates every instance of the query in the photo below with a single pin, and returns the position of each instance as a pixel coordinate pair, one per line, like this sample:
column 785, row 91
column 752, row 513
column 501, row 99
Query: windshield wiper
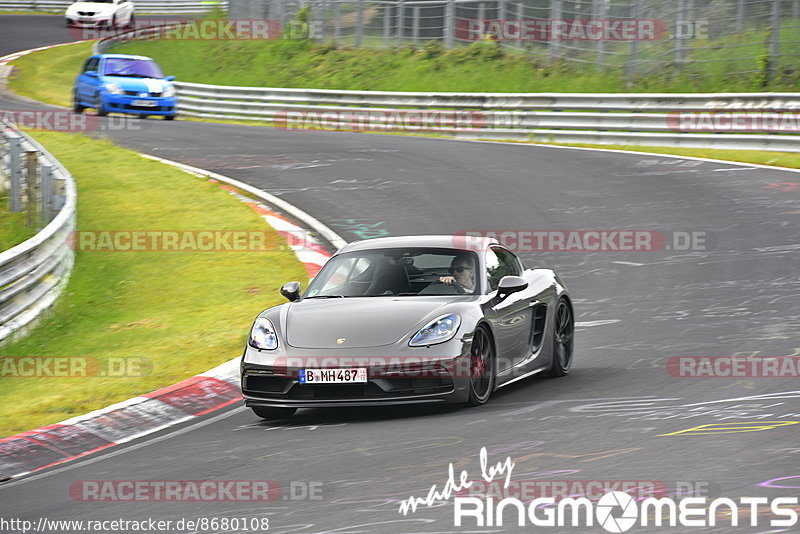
column 406, row 294
column 326, row 297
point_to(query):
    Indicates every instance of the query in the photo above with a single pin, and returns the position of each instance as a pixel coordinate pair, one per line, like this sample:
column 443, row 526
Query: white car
column 101, row 13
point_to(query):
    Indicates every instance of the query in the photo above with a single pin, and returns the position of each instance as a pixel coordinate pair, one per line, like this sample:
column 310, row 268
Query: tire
column 273, row 413
column 563, row 339
column 76, row 105
column 99, row 107
column 131, row 22
column 169, row 117
column 482, row 368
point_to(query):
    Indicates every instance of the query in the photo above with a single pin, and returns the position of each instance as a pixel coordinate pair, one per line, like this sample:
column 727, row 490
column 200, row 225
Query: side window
column 91, row 64
column 493, row 275
column 509, row 261
column 500, row 263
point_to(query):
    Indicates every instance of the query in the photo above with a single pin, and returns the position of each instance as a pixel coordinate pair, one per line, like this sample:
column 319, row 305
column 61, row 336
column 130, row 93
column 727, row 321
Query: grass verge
column 12, row 225
column 762, row 157
column 48, row 75
column 181, row 312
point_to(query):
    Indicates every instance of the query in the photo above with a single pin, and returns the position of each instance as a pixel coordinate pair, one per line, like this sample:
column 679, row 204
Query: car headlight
column 262, row 335
column 168, row 91
column 437, row 331
column 114, row 89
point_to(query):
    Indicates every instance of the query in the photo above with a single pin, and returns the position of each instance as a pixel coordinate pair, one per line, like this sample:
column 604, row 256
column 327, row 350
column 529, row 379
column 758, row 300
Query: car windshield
column 134, row 68
column 397, row 272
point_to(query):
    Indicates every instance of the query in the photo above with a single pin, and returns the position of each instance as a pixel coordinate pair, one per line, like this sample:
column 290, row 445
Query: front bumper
column 434, row 376
column 88, row 22
column 129, row 104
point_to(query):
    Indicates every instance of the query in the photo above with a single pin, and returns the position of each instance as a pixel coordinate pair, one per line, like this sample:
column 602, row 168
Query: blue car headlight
column 437, row 331
column 114, row 89
column 262, row 335
column 168, row 91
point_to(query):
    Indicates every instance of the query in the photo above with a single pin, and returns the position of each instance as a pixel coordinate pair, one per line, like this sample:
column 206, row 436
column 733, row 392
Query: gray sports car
column 402, row 320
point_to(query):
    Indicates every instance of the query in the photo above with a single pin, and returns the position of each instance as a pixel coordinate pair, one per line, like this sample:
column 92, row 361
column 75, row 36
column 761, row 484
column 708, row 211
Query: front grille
column 278, row 387
column 147, row 95
column 86, row 13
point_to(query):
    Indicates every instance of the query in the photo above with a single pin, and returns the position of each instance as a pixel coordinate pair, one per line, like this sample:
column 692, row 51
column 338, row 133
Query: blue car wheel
column 76, row 103
column 99, row 106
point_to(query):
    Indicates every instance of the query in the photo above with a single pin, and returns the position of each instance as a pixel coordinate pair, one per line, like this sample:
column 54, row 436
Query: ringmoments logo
column 615, row 511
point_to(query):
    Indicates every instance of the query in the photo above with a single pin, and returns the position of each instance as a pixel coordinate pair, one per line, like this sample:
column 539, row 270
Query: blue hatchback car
column 124, row 83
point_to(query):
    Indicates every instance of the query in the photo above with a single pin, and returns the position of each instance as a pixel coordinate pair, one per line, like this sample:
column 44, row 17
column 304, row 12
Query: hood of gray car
column 361, row 321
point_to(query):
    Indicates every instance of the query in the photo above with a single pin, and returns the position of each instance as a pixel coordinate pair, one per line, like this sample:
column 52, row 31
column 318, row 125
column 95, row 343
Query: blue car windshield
column 132, row 68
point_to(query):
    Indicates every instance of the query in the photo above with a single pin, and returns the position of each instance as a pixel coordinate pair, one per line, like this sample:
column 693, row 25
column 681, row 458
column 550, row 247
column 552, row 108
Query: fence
column 640, row 36
column 166, row 7
column 33, row 273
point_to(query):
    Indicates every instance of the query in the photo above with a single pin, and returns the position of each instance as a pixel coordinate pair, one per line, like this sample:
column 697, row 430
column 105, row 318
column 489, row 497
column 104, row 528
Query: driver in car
column 462, row 273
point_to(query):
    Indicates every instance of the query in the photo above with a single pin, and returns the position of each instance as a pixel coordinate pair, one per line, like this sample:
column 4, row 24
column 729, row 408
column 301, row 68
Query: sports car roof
column 460, row 242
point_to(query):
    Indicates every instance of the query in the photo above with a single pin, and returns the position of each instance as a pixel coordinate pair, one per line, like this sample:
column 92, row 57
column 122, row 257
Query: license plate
column 145, row 103
column 333, row 376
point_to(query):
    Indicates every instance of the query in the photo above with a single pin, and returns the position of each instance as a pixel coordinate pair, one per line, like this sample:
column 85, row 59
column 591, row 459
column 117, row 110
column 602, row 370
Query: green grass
column 48, row 75
column 778, row 159
column 12, row 225
column 184, row 312
column 480, row 67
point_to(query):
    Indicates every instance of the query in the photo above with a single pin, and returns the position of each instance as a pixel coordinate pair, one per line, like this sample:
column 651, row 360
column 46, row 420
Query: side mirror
column 92, row 73
column 291, row 290
column 510, row 284
column 169, row 78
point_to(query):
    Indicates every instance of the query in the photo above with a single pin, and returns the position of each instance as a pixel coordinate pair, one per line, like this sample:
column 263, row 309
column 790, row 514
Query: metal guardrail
column 651, row 119
column 640, row 119
column 157, row 7
column 33, row 273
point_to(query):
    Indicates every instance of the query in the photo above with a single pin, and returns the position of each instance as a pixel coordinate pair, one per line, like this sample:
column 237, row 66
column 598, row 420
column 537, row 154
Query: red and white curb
column 217, row 388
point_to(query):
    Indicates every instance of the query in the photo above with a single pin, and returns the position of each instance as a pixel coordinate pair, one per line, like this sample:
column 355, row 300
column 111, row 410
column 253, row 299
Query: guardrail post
column 360, row 23
column 633, row 48
column 46, row 197
column 415, row 24
column 14, row 174
column 774, row 35
column 449, row 24
column 401, row 8
column 555, row 15
column 31, row 182
column 599, row 12
column 337, row 22
column 739, row 15
column 387, row 24
column 679, row 24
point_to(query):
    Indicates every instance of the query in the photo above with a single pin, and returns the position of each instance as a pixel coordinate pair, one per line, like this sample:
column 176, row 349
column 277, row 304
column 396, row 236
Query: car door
column 511, row 316
column 125, row 12
column 86, row 85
